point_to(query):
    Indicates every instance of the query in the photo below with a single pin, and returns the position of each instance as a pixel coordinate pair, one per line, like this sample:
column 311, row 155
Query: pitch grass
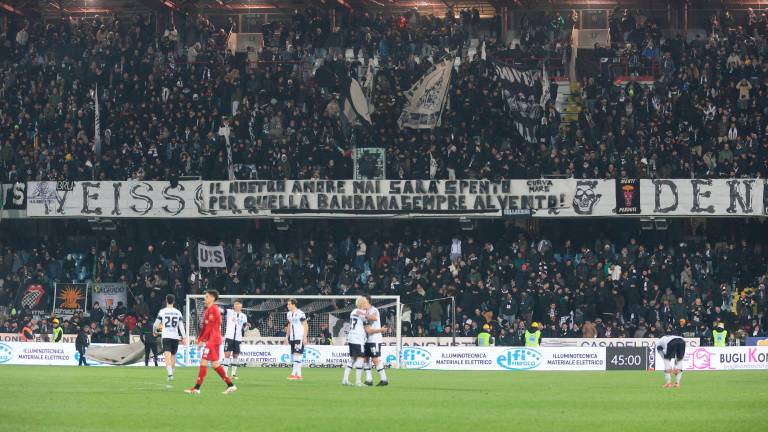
column 65, row 399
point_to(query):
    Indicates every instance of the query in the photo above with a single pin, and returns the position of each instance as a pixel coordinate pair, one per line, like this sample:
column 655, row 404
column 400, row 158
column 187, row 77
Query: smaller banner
column 109, row 294
column 502, row 358
column 211, row 256
column 370, row 164
column 32, row 296
column 757, row 341
column 722, row 358
column 69, row 298
column 607, row 342
column 628, row 196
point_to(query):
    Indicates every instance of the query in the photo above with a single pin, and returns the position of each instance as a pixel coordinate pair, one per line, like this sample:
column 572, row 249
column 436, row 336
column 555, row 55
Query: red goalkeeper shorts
column 211, row 352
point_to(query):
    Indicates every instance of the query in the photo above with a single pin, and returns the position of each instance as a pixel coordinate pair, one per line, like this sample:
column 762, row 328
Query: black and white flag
column 97, row 124
column 522, row 92
column 356, row 109
column 427, row 98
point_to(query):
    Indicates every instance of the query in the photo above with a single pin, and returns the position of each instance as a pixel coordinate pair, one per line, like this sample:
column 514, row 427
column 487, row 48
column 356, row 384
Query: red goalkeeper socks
column 201, row 376
column 223, row 374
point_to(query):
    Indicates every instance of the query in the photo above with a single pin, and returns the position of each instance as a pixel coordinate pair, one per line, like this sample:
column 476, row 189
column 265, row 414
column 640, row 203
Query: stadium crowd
column 164, row 96
column 507, row 277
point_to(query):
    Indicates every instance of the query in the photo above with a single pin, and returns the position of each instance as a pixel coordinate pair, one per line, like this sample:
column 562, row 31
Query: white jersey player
column 672, row 349
column 359, row 329
column 170, row 323
column 373, row 346
column 296, row 334
column 237, row 322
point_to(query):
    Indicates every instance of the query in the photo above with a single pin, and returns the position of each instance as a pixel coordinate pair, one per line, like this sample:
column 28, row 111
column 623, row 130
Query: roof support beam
column 11, row 9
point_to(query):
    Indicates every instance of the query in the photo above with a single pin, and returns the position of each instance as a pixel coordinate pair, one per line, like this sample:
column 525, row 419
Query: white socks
column 368, row 374
column 234, row 368
column 169, row 369
column 297, row 364
column 678, row 364
column 347, row 370
column 358, row 370
column 382, row 373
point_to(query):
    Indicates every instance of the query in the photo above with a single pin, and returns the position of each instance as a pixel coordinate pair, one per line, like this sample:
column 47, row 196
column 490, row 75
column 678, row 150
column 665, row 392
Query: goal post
column 327, row 319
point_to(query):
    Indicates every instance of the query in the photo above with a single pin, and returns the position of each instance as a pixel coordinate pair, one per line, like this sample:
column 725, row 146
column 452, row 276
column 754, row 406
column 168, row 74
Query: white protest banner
column 722, row 358
column 378, row 198
column 211, row 256
column 589, row 198
column 108, row 294
column 115, row 199
column 702, row 197
column 610, row 342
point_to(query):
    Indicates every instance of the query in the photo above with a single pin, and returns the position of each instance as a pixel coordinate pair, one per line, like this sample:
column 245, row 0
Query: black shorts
column 373, row 349
column 356, row 350
column 675, row 349
column 297, row 347
column 231, row 345
column 170, row 345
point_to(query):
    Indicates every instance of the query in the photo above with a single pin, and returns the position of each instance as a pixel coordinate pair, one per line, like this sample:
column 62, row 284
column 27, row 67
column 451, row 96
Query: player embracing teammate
column 361, row 348
column 210, row 335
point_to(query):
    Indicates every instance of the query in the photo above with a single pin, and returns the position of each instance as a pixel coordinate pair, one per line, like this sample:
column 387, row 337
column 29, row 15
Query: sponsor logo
column 520, row 359
column 415, row 358
column 6, row 353
column 700, row 359
column 311, row 355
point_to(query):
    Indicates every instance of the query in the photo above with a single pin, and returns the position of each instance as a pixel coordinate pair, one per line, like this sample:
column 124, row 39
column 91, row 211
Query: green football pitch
column 136, row 399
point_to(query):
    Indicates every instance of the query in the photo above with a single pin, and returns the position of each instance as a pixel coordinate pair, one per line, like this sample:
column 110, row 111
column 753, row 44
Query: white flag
column 211, row 256
column 426, row 99
column 97, row 125
column 545, row 95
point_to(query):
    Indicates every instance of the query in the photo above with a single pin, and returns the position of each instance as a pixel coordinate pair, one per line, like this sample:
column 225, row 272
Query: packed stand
column 164, row 97
column 703, row 117
column 596, row 288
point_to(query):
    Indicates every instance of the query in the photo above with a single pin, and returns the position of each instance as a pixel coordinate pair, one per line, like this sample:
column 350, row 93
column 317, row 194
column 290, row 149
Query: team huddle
column 364, row 340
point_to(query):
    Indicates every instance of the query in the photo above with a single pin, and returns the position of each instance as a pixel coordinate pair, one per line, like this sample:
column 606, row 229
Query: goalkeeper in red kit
column 211, row 337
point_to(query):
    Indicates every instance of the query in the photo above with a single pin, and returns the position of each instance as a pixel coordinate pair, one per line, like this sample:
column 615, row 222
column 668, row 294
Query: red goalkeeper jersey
column 211, row 333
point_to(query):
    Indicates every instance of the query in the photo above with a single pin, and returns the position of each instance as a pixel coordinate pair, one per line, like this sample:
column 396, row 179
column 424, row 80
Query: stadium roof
column 55, row 8
column 77, row 7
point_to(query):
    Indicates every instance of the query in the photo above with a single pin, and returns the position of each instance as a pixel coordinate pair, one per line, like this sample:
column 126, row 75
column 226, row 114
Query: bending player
column 237, row 322
column 359, row 329
column 373, row 343
column 296, row 333
column 672, row 348
column 170, row 320
column 211, row 337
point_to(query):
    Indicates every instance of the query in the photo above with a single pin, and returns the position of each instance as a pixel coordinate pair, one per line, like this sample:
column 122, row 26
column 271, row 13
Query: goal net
column 327, row 318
